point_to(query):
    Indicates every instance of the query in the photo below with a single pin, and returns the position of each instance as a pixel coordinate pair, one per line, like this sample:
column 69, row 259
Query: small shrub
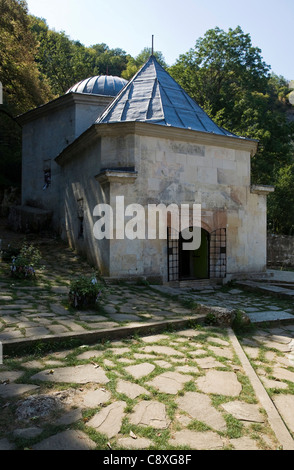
column 241, row 322
column 24, row 265
column 7, row 254
column 210, row 319
column 85, row 292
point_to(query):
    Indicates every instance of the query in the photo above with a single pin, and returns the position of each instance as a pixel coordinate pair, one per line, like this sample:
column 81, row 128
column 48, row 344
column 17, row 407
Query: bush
column 24, row 265
column 85, row 292
column 7, row 254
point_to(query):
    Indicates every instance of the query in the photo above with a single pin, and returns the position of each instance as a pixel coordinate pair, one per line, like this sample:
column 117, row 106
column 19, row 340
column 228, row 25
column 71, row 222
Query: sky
column 175, row 24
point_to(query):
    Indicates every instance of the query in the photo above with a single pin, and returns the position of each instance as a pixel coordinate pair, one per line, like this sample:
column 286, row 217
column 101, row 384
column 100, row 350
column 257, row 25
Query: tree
column 281, row 202
column 65, row 62
column 227, row 76
column 62, row 61
column 220, row 68
column 108, row 61
column 23, row 86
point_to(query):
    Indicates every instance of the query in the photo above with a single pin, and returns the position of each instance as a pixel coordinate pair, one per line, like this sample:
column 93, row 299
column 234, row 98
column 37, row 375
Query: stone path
column 186, row 388
column 156, row 393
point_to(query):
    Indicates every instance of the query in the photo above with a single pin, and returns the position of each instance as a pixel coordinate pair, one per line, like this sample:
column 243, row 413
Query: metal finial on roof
column 152, row 49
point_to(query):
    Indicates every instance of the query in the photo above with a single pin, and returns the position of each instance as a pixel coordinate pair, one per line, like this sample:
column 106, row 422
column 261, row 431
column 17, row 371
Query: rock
column 77, row 374
column 199, row 407
column 89, row 354
column 244, row 443
column 186, row 369
column 69, row 417
column 13, row 390
column 208, row 363
column 140, row 370
column 216, row 339
column 283, row 374
column 154, row 338
column 197, row 440
column 165, row 350
column 243, row 411
column 220, row 383
column 134, row 444
column 224, row 317
column 6, row 445
column 222, row 352
column 273, row 383
column 9, row 376
column 109, row 420
column 131, row 390
column 189, row 333
column 170, row 382
column 91, row 398
column 150, row 413
column 285, row 406
column 40, row 406
column 27, row 433
column 66, row 440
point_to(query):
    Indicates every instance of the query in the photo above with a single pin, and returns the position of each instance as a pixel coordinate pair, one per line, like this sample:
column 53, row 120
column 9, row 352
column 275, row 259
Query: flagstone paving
column 174, row 404
column 177, row 389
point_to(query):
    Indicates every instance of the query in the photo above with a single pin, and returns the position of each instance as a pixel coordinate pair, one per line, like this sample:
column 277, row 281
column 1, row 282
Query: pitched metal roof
column 153, row 96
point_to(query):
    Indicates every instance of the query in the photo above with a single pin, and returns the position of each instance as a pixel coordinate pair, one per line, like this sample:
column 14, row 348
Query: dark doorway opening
column 208, row 262
column 194, row 264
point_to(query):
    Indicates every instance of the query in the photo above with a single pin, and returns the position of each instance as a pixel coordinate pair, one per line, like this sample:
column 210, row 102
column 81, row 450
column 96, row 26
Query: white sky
column 176, row 24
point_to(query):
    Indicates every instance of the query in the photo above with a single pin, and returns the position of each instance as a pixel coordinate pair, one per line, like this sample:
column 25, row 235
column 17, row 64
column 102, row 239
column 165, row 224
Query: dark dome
column 100, row 85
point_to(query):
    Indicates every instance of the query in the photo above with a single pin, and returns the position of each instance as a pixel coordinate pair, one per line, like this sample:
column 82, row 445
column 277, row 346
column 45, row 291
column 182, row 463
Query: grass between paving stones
column 159, row 438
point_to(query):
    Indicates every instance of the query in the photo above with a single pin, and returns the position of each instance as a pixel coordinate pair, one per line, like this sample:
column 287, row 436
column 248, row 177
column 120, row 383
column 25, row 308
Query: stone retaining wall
column 280, row 250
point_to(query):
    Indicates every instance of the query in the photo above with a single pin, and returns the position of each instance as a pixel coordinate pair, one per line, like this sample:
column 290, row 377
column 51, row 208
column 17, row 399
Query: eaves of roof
column 121, row 129
column 61, row 103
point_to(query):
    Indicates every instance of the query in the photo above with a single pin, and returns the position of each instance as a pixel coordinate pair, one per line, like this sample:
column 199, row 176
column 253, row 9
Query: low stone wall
column 280, row 250
column 29, row 219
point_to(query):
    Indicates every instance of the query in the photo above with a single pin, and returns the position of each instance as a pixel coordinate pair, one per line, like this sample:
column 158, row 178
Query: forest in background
column 223, row 72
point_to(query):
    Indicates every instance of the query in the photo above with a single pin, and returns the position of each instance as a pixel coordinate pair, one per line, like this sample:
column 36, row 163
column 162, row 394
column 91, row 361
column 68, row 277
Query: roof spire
column 152, row 49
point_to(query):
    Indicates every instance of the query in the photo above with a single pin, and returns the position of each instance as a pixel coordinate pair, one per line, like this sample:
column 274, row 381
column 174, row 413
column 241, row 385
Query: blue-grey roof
column 107, row 85
column 153, row 96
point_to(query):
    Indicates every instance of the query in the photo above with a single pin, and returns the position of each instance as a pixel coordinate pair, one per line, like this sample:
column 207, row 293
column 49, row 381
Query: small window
column 80, row 203
column 47, row 174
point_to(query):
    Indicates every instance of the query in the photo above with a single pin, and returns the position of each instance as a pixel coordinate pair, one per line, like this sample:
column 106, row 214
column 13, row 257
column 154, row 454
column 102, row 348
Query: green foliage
column 281, row 202
column 10, row 151
column 134, row 64
column 23, row 86
column 85, row 292
column 24, row 265
column 226, row 75
column 65, row 62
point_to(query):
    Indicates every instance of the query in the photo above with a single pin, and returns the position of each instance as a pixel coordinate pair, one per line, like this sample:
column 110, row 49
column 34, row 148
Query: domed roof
column 107, row 85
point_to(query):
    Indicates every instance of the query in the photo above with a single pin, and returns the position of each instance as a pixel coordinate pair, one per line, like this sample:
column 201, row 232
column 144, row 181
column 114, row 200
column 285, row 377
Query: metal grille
column 173, row 254
column 218, row 254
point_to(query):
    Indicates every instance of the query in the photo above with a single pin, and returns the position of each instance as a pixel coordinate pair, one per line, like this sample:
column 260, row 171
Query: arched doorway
column 208, row 262
column 194, row 264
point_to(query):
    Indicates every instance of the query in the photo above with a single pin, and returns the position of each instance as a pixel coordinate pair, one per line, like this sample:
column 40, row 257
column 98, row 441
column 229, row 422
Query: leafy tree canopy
column 23, row 85
column 65, row 62
column 227, row 76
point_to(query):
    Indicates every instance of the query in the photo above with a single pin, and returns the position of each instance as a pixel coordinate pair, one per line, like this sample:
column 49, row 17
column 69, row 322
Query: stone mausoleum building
column 148, row 141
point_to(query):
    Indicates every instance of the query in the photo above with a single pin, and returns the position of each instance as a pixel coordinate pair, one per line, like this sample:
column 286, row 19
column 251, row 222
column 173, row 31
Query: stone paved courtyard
column 173, row 390
column 184, row 388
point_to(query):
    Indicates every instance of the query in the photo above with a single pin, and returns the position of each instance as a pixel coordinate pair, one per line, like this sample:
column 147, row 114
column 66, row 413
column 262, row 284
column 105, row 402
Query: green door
column 200, row 265
column 195, row 263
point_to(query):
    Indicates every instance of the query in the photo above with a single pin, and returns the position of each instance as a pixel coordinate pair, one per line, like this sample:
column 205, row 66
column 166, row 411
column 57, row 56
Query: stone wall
column 280, row 250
